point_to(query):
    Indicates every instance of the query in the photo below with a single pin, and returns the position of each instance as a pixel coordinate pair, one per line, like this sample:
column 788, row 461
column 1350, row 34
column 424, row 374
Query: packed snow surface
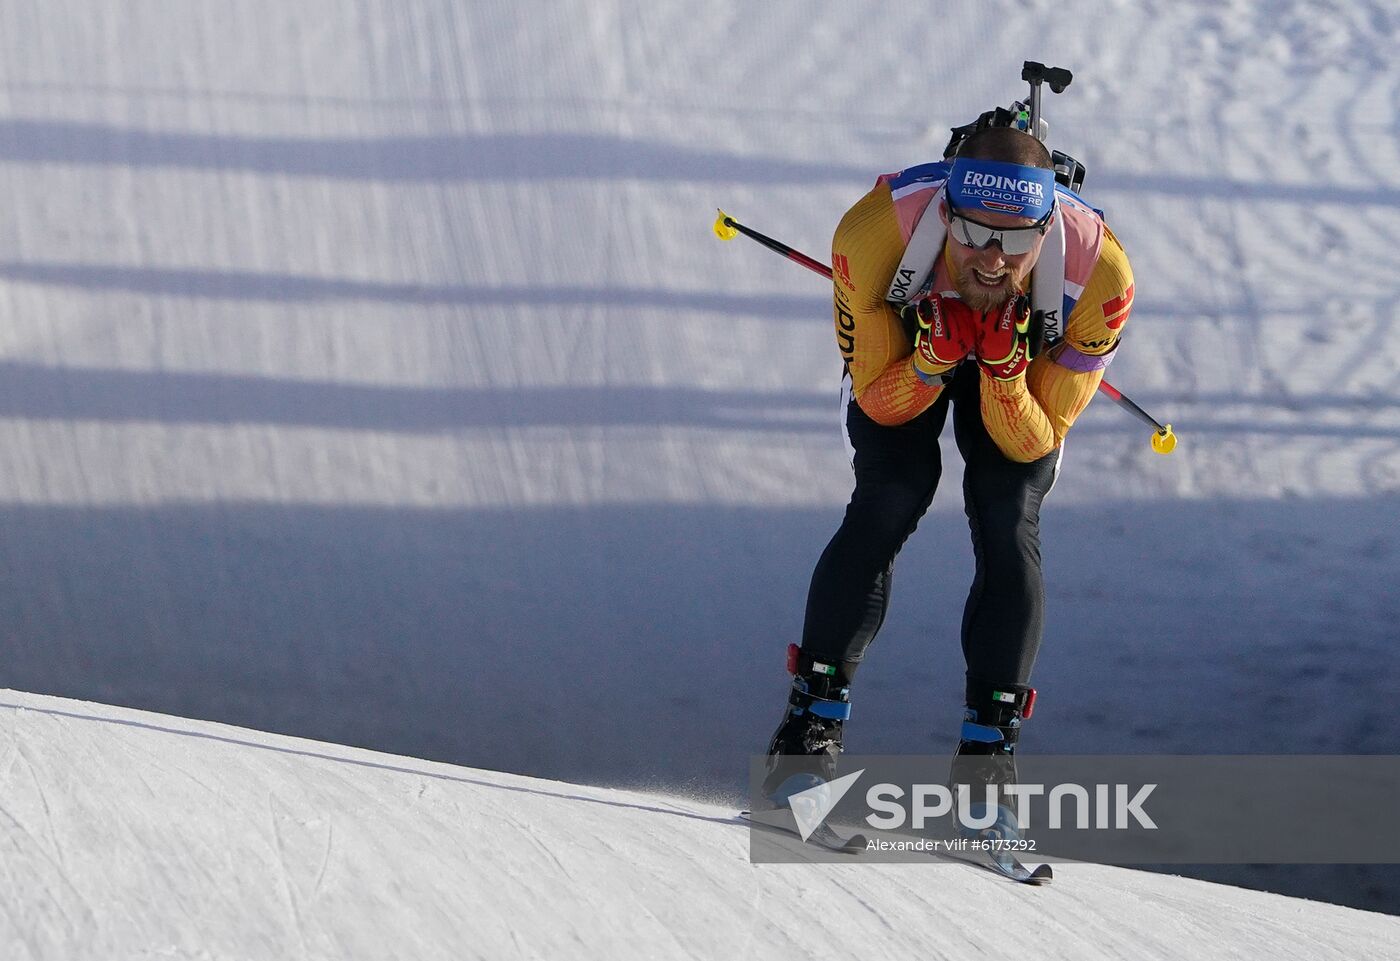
column 128, row 834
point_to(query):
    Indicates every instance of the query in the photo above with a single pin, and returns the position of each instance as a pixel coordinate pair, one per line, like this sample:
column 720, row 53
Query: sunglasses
column 1012, row 240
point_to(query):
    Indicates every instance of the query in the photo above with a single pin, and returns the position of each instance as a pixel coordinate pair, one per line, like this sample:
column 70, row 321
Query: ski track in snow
column 370, row 373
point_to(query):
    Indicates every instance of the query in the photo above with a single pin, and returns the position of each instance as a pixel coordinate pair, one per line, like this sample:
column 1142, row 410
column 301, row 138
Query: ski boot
column 986, row 757
column 804, row 748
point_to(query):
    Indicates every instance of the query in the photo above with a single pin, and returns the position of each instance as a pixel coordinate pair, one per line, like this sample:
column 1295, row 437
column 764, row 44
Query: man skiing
column 966, row 340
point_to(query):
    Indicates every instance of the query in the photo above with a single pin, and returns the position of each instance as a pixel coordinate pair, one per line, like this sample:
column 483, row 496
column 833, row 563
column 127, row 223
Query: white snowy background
column 369, row 373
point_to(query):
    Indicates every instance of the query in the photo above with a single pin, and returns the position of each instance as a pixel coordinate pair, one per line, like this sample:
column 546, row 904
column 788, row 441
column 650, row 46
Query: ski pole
column 727, row 228
column 1163, row 441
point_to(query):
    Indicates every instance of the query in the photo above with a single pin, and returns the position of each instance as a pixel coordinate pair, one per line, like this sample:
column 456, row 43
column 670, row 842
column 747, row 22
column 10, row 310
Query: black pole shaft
column 1127, row 404
column 779, row 247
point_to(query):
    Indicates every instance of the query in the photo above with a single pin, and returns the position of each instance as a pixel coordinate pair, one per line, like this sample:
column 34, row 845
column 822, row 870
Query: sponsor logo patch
column 845, row 327
column 995, row 182
column 926, row 352
column 1115, row 312
column 903, row 280
column 842, row 267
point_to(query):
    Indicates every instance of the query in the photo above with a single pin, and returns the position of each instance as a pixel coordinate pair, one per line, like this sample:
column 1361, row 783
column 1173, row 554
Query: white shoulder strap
column 920, row 256
column 1048, row 280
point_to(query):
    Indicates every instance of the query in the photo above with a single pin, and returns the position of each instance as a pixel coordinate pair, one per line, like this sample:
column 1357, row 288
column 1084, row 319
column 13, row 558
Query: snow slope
column 369, row 372
column 129, row 834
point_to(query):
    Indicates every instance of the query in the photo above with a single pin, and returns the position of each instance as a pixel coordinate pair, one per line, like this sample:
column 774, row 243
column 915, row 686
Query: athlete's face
column 987, row 277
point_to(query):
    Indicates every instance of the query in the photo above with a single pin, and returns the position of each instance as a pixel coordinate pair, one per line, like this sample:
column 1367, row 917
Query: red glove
column 944, row 336
column 1006, row 341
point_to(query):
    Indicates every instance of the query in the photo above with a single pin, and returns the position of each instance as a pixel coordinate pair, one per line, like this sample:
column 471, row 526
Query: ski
column 1003, row 863
column 995, row 846
column 992, row 849
column 825, row 836
column 1009, row 866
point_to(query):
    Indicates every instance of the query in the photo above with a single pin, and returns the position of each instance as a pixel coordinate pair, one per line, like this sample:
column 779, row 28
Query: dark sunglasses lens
column 1015, row 242
column 977, row 236
column 970, row 234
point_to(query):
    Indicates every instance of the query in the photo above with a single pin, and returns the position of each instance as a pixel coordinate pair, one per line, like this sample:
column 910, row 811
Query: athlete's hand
column 943, row 337
column 1007, row 341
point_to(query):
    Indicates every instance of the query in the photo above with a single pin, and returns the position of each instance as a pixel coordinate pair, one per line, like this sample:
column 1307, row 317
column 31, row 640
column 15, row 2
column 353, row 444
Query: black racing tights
column 897, row 471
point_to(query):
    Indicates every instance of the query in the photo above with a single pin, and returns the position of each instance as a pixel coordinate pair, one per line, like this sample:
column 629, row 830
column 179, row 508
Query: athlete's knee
column 1002, row 522
column 890, row 509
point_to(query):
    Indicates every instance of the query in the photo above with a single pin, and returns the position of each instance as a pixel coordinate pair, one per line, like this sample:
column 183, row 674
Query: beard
column 986, row 299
